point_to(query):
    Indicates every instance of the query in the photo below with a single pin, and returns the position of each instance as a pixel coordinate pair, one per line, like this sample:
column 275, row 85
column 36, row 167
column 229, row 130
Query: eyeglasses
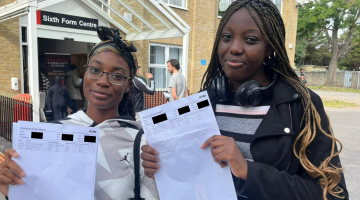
column 96, row 73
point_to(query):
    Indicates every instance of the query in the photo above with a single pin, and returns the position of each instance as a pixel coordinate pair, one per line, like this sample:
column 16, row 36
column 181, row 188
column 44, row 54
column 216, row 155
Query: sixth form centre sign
column 66, row 21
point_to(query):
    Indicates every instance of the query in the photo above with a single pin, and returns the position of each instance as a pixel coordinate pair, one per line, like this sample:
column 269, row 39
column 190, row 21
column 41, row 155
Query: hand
column 150, row 161
column 6, row 175
column 149, row 75
column 225, row 150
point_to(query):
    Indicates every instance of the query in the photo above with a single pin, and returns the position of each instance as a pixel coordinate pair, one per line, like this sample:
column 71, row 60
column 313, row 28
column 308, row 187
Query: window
column 159, row 55
column 176, row 3
column 224, row 4
column 278, row 4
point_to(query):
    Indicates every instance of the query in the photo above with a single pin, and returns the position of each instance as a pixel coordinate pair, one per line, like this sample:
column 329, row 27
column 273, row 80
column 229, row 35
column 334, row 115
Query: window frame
column 230, row 1
column 167, row 55
column 176, row 6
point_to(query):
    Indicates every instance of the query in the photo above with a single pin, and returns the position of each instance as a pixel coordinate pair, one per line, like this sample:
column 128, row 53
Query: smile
column 100, row 94
column 234, row 63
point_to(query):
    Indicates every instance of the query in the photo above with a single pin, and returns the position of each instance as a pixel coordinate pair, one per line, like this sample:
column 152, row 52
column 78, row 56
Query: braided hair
column 273, row 29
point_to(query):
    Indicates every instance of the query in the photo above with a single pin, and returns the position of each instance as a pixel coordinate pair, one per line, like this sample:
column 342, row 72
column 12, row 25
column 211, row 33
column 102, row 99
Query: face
column 301, row 71
column 101, row 93
column 170, row 68
column 138, row 72
column 243, row 48
column 302, row 77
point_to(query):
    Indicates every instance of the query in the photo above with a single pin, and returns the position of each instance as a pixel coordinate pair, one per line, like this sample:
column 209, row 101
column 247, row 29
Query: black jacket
column 276, row 173
column 138, row 88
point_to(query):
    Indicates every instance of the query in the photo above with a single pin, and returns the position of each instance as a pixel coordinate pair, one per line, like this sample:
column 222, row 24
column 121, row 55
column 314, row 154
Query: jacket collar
column 284, row 92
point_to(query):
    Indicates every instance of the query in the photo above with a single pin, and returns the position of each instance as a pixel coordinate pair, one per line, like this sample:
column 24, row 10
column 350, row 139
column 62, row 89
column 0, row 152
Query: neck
column 100, row 115
column 260, row 77
column 175, row 72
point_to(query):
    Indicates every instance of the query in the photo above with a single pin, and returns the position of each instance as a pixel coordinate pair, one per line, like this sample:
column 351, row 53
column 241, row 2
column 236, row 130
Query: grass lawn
column 338, row 104
column 335, row 89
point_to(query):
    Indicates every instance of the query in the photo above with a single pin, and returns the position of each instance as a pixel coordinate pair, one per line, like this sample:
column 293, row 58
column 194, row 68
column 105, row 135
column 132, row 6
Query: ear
column 269, row 51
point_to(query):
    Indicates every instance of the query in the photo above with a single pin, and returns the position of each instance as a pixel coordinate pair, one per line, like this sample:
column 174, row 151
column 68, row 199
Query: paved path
column 346, row 126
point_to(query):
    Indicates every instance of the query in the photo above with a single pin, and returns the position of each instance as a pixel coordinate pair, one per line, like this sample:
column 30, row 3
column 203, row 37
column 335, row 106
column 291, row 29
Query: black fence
column 13, row 108
column 157, row 99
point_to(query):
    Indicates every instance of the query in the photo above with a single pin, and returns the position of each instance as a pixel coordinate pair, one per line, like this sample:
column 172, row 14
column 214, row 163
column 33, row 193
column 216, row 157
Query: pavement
column 346, row 126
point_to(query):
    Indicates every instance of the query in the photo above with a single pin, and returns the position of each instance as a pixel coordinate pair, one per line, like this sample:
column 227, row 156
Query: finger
column 15, row 167
column 150, row 172
column 221, row 158
column 7, row 180
column 149, row 157
column 6, row 172
column 218, row 143
column 211, row 139
column 150, row 165
column 217, row 151
column 10, row 153
column 150, row 150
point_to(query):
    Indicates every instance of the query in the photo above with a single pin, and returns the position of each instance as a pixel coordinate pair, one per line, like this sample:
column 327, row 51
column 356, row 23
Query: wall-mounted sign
column 66, row 21
column 203, row 62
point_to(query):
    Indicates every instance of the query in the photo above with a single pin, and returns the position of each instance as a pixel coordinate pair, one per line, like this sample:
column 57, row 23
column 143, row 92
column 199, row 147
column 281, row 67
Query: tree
column 326, row 18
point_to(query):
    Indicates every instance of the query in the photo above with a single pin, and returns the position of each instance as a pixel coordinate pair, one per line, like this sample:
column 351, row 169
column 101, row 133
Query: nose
column 236, row 47
column 103, row 81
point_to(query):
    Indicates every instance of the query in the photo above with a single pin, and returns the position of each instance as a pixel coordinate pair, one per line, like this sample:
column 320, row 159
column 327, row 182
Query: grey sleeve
column 142, row 86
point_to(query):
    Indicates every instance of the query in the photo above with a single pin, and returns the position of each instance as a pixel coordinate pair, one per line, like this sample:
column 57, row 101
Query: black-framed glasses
column 113, row 77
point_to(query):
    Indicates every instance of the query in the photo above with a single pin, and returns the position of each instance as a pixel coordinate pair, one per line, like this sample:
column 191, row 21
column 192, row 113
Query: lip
column 234, row 63
column 100, row 94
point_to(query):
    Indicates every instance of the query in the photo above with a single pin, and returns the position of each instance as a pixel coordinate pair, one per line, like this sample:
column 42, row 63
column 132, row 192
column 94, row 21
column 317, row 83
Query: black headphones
column 248, row 94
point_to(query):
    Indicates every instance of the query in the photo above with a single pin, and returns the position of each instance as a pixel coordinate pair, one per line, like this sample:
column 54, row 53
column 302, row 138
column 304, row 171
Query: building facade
column 52, row 34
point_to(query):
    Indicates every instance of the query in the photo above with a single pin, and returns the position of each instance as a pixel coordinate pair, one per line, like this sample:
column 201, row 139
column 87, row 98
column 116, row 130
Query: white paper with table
column 177, row 130
column 59, row 161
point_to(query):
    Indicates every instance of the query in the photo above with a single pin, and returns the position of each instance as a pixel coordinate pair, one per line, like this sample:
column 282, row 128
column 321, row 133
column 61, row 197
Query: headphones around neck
column 248, row 94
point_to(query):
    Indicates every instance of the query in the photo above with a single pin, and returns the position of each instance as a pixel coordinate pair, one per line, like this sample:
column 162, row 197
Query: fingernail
column 156, row 152
column 15, row 155
column 158, row 167
column 22, row 173
column 157, row 159
column 20, row 181
column 157, row 171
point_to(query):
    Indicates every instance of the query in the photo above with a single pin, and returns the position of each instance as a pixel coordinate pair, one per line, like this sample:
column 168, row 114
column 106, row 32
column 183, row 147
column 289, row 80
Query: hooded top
column 115, row 161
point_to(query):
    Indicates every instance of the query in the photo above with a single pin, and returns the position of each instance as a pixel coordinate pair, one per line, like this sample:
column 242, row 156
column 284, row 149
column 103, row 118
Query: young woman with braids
column 107, row 81
column 279, row 144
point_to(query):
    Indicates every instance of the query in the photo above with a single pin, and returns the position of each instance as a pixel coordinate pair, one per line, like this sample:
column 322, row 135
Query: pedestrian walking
column 73, row 84
column 177, row 83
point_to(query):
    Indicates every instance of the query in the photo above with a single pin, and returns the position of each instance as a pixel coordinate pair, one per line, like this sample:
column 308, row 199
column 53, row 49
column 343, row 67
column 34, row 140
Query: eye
column 95, row 70
column 226, row 36
column 251, row 39
column 117, row 76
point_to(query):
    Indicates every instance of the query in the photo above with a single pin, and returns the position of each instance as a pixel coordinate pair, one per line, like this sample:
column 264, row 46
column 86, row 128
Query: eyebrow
column 249, row 30
column 118, row 68
column 96, row 61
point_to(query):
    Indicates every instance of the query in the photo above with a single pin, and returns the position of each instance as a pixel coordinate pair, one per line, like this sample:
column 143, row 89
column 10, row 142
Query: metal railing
column 13, row 108
column 157, row 99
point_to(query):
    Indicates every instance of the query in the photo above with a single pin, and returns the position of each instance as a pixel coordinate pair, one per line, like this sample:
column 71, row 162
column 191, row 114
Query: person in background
column 73, row 84
column 138, row 90
column 58, row 99
column 303, row 80
column 302, row 73
column 177, row 82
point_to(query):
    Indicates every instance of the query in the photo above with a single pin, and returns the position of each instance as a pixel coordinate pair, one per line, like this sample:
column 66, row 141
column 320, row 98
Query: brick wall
column 10, row 65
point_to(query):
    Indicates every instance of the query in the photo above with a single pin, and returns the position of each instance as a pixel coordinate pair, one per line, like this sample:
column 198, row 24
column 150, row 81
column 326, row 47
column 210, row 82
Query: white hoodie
column 115, row 161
